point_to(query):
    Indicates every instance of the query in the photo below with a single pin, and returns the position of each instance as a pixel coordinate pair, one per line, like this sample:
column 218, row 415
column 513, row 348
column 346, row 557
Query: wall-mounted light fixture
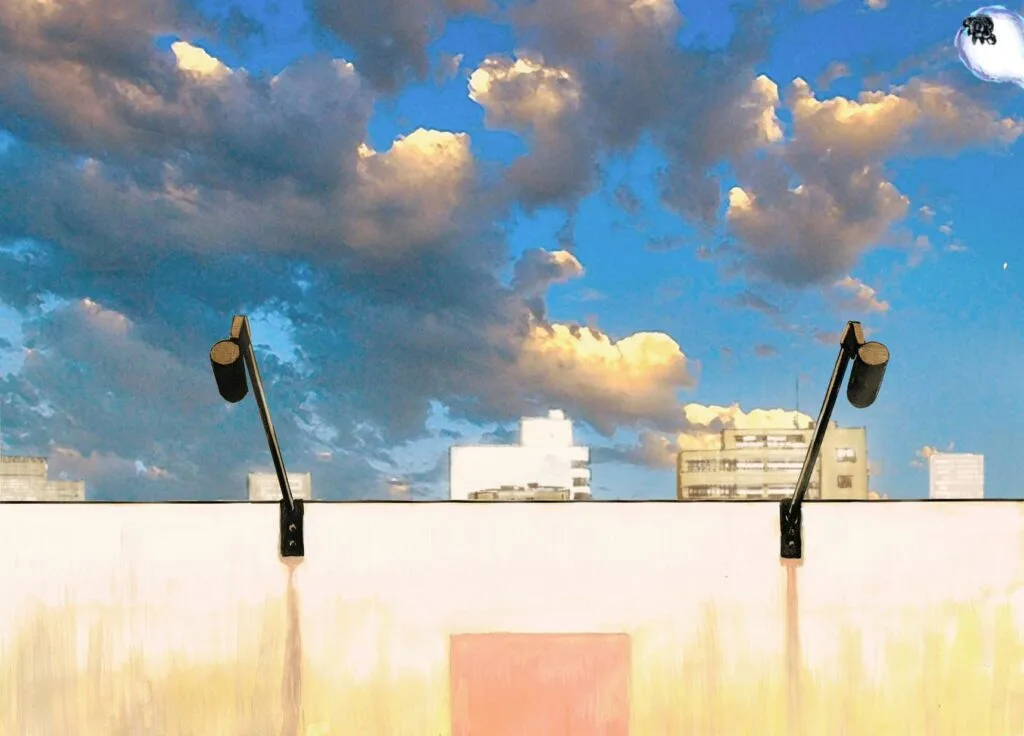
column 230, row 360
column 869, row 362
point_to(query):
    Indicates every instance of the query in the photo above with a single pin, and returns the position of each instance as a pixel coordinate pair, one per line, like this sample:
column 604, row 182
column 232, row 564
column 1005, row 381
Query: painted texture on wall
column 181, row 619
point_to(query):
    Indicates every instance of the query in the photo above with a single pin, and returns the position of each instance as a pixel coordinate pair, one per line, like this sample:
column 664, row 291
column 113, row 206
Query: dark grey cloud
column 163, row 192
column 626, row 198
column 652, row 450
column 599, row 75
column 749, row 300
column 390, row 37
column 537, row 269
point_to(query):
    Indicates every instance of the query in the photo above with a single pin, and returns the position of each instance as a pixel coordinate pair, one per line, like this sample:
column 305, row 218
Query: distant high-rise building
column 953, row 475
column 545, row 464
column 25, row 479
column 753, row 463
column 265, row 487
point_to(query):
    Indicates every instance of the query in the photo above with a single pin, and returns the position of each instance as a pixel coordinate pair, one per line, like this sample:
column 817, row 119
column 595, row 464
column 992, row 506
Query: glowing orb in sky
column 1002, row 61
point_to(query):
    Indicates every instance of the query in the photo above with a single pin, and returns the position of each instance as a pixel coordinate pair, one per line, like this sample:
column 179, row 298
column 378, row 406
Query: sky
column 442, row 215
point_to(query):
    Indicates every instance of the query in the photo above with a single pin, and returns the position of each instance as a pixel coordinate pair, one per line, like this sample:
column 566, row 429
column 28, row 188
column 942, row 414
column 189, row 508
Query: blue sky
column 419, row 202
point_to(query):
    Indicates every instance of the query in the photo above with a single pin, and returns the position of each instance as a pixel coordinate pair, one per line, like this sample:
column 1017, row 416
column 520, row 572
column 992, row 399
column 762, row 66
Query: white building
column 264, row 486
column 25, row 479
column 545, row 461
column 954, row 475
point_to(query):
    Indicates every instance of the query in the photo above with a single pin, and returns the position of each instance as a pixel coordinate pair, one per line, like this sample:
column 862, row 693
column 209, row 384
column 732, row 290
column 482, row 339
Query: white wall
column 175, row 619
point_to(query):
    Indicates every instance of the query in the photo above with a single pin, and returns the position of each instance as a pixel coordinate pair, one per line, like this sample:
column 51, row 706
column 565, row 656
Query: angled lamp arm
column 790, row 509
column 227, row 357
column 240, row 334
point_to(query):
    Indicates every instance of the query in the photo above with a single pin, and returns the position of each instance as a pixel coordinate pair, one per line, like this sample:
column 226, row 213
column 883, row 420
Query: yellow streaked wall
column 903, row 618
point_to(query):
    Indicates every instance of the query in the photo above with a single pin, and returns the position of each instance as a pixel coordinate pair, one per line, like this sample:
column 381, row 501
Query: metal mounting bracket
column 292, row 544
column 790, row 527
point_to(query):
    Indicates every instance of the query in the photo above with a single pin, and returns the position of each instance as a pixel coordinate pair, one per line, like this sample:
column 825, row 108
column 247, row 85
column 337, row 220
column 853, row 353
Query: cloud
column 589, row 295
column 538, row 269
column 157, row 193
column 749, row 300
column 448, row 66
column 527, row 96
column 705, row 423
column 134, row 420
column 568, row 93
column 608, row 382
column 390, row 39
column 626, row 198
column 859, row 297
column 665, row 243
column 180, row 108
column 833, row 72
column 813, row 193
column 764, row 350
column 702, row 430
column 843, row 203
column 826, row 337
column 651, row 450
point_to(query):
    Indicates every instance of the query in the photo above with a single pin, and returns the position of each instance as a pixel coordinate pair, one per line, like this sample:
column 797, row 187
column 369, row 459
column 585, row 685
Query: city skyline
column 657, row 216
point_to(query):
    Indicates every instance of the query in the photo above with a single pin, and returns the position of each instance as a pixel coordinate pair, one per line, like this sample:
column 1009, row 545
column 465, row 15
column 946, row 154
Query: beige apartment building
column 765, row 464
column 27, row 479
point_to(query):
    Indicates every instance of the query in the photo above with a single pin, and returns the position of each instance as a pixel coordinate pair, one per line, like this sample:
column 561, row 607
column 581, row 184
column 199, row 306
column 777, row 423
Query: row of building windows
column 738, row 491
column 733, row 490
column 733, row 466
column 843, row 455
column 771, row 440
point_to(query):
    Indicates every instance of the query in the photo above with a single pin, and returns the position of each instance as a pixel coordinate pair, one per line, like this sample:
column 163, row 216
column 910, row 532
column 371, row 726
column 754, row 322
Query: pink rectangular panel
column 540, row 684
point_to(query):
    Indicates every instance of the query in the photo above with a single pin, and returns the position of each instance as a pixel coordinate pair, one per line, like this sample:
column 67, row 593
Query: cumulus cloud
column 390, row 39
column 858, row 296
column 598, row 75
column 152, row 192
column 538, row 269
column 156, row 196
column 527, row 96
column 843, row 203
column 705, row 423
column 813, row 194
column 609, row 382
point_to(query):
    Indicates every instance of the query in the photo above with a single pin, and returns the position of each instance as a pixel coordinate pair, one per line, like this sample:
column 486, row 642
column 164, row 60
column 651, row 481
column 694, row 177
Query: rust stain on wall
column 291, row 685
column 794, row 669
